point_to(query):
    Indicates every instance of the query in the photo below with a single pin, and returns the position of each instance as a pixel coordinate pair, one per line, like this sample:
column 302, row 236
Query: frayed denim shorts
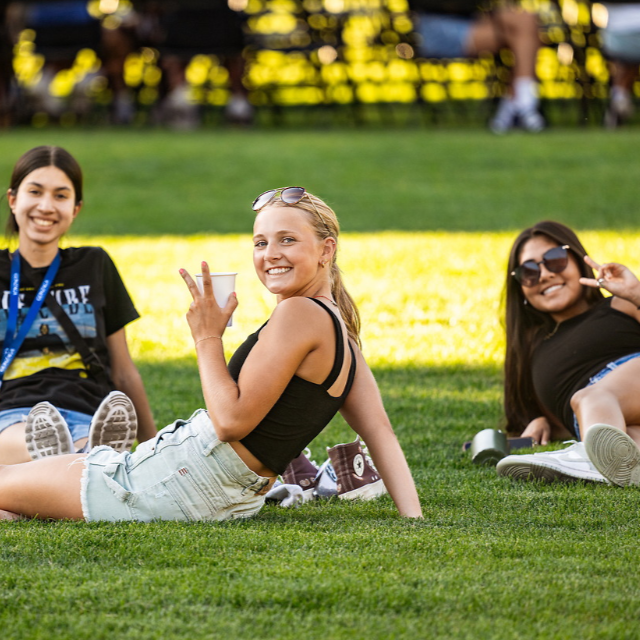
column 77, row 422
column 612, row 366
column 184, row 473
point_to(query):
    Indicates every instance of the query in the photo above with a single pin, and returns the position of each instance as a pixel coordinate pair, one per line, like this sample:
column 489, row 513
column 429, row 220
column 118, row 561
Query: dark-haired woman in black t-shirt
column 63, row 313
column 282, row 387
column 573, row 359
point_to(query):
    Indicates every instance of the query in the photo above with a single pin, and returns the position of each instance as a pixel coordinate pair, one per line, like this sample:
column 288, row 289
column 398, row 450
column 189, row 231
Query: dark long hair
column 36, row 158
column 526, row 327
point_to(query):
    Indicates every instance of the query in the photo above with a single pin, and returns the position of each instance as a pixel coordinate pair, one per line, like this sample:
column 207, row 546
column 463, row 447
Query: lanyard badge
column 13, row 341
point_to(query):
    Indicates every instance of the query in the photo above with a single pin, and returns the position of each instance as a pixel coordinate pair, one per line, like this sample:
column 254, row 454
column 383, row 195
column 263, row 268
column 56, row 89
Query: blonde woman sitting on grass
column 280, row 389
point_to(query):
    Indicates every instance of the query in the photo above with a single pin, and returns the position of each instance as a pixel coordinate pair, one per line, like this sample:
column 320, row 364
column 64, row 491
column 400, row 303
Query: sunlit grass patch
column 425, row 298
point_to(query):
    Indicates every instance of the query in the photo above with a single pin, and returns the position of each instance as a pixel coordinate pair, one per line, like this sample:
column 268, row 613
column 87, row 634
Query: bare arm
column 126, row 378
column 296, row 329
column 364, row 412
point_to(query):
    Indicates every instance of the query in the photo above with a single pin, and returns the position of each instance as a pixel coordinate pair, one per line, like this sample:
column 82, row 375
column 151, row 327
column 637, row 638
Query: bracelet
column 208, row 338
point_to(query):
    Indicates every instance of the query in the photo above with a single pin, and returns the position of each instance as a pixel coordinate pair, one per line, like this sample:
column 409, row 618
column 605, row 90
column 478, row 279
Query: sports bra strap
column 339, row 359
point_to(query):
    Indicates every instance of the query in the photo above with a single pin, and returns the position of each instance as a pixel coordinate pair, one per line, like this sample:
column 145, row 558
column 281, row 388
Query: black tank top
column 302, row 411
column 563, row 363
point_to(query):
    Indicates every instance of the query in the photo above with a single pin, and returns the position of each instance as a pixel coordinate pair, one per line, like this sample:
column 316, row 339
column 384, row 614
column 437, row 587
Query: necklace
column 335, row 304
column 552, row 333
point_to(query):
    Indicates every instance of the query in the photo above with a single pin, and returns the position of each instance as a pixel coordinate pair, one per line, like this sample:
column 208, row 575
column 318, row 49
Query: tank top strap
column 339, row 359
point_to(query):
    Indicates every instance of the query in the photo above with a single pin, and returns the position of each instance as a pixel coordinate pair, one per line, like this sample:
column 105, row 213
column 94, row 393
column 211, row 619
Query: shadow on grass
column 433, row 409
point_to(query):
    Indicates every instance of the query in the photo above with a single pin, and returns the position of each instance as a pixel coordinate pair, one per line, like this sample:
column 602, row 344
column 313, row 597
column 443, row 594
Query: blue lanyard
column 13, row 342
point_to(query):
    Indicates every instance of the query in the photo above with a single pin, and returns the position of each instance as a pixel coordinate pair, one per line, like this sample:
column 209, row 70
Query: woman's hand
column 539, row 430
column 615, row 278
column 206, row 319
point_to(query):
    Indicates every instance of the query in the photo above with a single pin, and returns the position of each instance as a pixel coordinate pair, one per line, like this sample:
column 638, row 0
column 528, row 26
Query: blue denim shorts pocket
column 185, row 473
column 606, row 370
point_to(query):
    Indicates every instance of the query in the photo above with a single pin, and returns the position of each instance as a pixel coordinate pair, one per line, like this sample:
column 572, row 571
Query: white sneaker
column 114, row 423
column 46, row 432
column 530, row 120
column 504, row 118
column 239, row 110
column 614, row 454
column 565, row 465
column 285, row 495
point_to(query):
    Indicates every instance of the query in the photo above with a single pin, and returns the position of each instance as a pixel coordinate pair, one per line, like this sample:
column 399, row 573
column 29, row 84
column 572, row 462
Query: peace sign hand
column 615, row 278
column 206, row 319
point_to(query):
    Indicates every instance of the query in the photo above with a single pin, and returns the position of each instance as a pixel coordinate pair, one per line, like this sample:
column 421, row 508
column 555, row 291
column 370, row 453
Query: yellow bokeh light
column 600, row 15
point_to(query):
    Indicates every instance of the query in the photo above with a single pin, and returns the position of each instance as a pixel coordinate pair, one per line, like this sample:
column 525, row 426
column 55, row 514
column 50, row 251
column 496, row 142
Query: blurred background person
column 181, row 30
column 7, row 86
column 621, row 44
column 456, row 29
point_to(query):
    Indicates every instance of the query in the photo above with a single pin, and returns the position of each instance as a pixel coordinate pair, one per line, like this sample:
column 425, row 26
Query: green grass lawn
column 429, row 217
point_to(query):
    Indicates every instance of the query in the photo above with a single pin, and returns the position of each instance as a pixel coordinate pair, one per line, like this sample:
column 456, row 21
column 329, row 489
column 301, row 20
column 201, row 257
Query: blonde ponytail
column 326, row 225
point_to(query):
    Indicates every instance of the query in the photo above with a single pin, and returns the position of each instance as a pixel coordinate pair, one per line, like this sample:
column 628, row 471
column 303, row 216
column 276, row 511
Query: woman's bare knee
column 580, row 398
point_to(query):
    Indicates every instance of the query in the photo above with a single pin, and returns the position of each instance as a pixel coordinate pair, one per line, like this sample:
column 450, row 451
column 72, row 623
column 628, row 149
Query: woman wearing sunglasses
column 572, row 366
column 280, row 389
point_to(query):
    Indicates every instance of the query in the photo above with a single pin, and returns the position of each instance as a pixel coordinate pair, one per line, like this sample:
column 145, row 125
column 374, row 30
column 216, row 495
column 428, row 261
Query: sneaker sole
column 114, row 423
column 536, row 471
column 614, row 454
column 366, row 492
column 46, row 432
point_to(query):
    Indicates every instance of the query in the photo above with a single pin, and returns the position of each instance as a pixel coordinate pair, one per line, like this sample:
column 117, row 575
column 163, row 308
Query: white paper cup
column 224, row 284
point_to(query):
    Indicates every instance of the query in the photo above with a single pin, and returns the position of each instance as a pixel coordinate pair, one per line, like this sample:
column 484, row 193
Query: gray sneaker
column 614, row 454
column 46, row 432
column 566, row 465
column 114, row 423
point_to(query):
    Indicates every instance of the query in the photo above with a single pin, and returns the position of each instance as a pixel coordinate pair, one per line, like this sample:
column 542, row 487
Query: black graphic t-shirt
column 48, row 366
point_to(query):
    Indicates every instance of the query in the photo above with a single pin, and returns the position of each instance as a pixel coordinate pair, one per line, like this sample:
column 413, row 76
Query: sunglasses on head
column 554, row 260
column 288, row 195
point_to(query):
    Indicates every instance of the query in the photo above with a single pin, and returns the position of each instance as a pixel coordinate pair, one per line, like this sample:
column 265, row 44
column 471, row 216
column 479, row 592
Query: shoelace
column 367, row 457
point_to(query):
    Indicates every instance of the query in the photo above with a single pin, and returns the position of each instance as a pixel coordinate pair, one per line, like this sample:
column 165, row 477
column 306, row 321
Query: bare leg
column 512, row 28
column 13, row 448
column 614, row 400
column 46, row 488
column 621, row 101
column 516, row 30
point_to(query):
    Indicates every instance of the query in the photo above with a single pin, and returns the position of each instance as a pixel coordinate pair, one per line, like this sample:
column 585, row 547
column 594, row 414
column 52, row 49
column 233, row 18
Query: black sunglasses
column 288, row 195
column 554, row 260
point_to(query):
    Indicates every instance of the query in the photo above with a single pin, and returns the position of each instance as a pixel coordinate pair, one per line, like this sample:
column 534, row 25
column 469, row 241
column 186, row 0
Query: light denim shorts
column 184, row 473
column 77, row 422
column 622, row 46
column 612, row 366
column 443, row 36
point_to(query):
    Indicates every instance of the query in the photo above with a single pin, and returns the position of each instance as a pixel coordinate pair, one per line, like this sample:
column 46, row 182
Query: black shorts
column 186, row 32
column 63, row 28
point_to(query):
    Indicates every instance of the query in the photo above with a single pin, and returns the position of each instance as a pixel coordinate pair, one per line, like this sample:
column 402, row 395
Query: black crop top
column 563, row 363
column 302, row 411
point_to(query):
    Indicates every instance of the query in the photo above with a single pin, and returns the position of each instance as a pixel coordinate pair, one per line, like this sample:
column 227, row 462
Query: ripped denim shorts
column 184, row 473
column 598, row 376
